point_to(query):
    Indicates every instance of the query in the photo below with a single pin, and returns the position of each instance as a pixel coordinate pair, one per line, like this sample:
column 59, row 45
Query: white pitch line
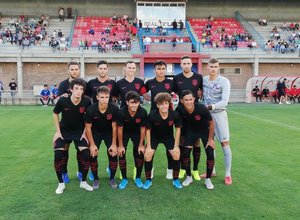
column 266, row 120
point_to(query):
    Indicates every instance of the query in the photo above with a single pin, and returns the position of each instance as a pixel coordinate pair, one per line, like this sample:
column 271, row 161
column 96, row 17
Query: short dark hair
column 100, row 62
column 162, row 97
column 187, row 92
column 132, row 95
column 129, row 61
column 78, row 81
column 213, row 60
column 72, row 62
column 160, row 63
column 103, row 89
column 45, row 85
column 185, row 57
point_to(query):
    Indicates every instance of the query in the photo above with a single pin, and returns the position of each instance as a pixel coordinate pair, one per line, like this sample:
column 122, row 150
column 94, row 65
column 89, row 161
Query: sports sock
column 85, row 162
column 65, row 161
column 196, row 156
column 122, row 164
column 148, row 168
column 58, row 164
column 210, row 161
column 170, row 159
column 78, row 156
column 138, row 161
column 186, row 160
column 176, row 167
column 113, row 165
column 227, row 159
column 94, row 167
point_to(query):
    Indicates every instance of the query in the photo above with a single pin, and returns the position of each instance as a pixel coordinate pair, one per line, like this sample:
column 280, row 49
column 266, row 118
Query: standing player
column 129, row 83
column 131, row 125
column 156, row 85
column 64, row 90
column 101, row 125
column 71, row 128
column 216, row 91
column 160, row 127
column 194, row 82
column 13, row 90
column 197, row 123
column 101, row 80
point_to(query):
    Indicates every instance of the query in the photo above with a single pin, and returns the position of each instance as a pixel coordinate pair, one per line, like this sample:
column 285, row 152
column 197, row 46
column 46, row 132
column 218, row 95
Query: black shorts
column 191, row 137
column 169, row 143
column 99, row 137
column 68, row 137
column 135, row 138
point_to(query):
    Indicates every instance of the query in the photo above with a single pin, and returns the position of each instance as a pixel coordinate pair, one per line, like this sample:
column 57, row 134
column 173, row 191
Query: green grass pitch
column 265, row 142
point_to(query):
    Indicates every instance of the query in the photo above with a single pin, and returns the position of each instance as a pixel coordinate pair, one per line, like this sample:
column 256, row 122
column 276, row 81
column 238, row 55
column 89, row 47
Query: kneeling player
column 71, row 128
column 131, row 125
column 101, row 125
column 197, row 123
column 160, row 130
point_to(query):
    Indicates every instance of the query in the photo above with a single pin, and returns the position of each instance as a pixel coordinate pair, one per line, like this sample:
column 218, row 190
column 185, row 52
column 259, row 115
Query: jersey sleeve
column 89, row 115
column 144, row 117
column 225, row 94
column 120, row 118
column 150, row 120
column 115, row 111
column 88, row 90
column 58, row 107
column 177, row 119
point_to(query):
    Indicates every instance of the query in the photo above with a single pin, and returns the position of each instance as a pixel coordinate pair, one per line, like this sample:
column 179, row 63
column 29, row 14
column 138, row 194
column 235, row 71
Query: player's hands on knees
column 141, row 149
column 211, row 143
column 112, row 150
column 121, row 151
column 93, row 150
column 83, row 136
column 56, row 136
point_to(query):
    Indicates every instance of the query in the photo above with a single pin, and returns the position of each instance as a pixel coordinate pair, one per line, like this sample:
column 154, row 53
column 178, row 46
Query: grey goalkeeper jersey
column 216, row 92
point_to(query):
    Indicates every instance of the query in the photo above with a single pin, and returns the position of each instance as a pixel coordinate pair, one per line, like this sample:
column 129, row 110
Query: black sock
column 196, row 156
column 94, row 167
column 58, row 164
column 210, row 161
column 148, row 168
column 65, row 159
column 85, row 163
column 138, row 161
column 176, row 167
column 122, row 164
column 170, row 160
column 113, row 165
column 78, row 156
column 186, row 160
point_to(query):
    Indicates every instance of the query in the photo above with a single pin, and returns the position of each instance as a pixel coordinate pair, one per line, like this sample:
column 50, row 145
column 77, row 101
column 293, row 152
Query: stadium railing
column 22, row 97
column 72, row 29
column 257, row 36
column 195, row 41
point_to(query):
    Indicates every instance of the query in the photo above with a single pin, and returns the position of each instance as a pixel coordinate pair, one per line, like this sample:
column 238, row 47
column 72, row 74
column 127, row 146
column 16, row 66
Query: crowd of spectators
column 25, row 32
column 281, row 44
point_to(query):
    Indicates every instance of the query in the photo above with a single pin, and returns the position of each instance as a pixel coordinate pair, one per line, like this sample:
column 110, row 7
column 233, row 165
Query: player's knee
column 209, row 153
column 85, row 154
column 58, row 155
column 148, row 156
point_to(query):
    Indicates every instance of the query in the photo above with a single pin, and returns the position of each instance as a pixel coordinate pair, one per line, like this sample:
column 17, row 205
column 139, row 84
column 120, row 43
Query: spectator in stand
column 69, row 12
column 22, row 18
column 61, row 14
column 25, row 43
column 94, row 45
column 174, row 24
column 59, row 33
column 292, row 26
column 140, row 24
column 180, row 25
column 45, row 96
column 147, row 41
column 233, row 45
column 86, row 45
column 91, row 31
column 266, row 94
column 174, row 43
column 256, row 93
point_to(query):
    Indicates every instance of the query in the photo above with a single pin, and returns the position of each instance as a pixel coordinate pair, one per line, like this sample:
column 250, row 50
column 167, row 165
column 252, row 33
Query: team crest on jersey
column 194, row 82
column 82, row 110
column 167, row 86
column 109, row 117
column 109, row 86
column 171, row 123
column 137, row 86
column 197, row 117
column 138, row 120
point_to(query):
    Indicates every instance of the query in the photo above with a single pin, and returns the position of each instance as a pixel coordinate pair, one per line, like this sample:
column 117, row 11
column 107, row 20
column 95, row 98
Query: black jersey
column 101, row 122
column 194, row 83
column 123, row 86
column 72, row 118
column 156, row 87
column 94, row 84
column 195, row 122
column 64, row 87
column 162, row 129
column 131, row 125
